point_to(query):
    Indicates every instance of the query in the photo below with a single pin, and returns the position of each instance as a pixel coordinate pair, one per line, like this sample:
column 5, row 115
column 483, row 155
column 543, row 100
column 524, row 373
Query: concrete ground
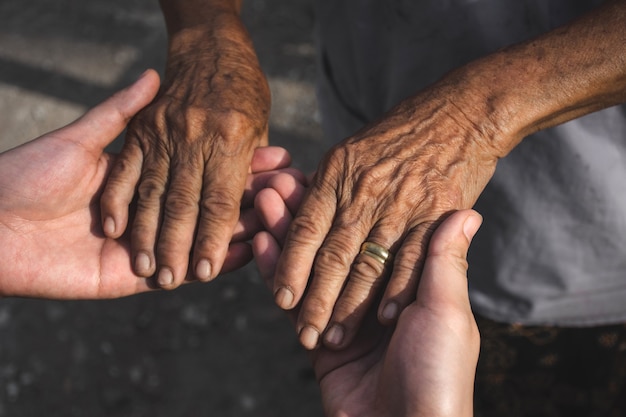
column 220, row 349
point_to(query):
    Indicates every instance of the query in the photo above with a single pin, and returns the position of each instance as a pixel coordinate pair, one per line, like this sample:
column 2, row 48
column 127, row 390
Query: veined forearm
column 567, row 73
column 203, row 30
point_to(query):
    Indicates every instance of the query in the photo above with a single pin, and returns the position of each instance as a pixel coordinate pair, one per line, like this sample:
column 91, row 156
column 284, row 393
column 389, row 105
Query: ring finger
column 368, row 274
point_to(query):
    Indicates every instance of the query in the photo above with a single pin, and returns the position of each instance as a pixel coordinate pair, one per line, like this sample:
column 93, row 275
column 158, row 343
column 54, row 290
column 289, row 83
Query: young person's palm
column 53, row 244
column 423, row 366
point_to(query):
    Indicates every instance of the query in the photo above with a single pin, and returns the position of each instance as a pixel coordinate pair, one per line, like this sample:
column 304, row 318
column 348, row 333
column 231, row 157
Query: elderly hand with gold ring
column 422, row 366
column 382, row 191
column 376, row 251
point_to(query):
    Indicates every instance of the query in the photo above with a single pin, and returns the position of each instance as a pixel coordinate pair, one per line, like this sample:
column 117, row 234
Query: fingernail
column 109, row 226
column 334, row 335
column 390, row 312
column 166, row 278
column 142, row 263
column 203, row 270
column 471, row 225
column 309, row 337
column 283, row 298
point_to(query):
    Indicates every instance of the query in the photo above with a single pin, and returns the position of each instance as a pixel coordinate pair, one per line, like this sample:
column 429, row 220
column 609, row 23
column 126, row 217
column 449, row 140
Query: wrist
column 482, row 97
column 567, row 73
column 180, row 15
column 222, row 31
column 214, row 66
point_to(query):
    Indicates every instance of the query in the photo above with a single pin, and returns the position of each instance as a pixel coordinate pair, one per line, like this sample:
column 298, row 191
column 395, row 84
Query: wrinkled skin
column 187, row 155
column 433, row 153
column 54, row 246
column 422, row 366
column 391, row 184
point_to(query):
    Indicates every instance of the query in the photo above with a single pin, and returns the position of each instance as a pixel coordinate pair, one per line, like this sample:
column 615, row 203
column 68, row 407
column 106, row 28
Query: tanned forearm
column 207, row 37
column 190, row 23
column 567, row 73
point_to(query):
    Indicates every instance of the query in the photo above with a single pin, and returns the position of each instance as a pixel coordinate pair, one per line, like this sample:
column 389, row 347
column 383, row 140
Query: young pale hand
column 422, row 366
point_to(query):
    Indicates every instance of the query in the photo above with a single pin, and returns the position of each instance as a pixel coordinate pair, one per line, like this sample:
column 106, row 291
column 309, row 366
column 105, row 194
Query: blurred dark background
column 221, row 349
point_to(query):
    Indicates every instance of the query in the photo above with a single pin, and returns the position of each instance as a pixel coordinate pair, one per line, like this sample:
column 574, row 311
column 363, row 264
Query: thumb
column 103, row 123
column 444, row 278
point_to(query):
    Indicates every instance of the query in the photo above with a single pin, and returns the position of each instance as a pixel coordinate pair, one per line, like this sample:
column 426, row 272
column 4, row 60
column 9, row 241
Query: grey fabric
column 552, row 249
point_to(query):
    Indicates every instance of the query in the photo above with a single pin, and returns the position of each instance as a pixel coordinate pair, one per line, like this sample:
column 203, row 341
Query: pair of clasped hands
column 54, row 245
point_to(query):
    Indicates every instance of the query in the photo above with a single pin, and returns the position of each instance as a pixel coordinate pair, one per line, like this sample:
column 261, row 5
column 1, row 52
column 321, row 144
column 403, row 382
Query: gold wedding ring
column 374, row 250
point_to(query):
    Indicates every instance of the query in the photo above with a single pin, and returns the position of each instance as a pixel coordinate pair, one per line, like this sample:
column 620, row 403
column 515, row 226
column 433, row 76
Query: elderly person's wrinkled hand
column 50, row 232
column 389, row 185
column 422, row 366
column 370, row 211
column 187, row 155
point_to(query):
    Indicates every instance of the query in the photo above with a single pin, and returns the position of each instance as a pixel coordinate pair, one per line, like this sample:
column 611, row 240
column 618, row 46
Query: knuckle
column 111, row 195
column 230, row 125
column 455, row 260
column 148, row 131
column 412, row 250
column 112, row 201
column 406, row 269
column 416, row 243
column 206, row 244
column 151, row 188
column 409, row 263
column 219, row 203
column 371, row 177
column 180, row 205
column 142, row 238
column 172, row 251
column 366, row 271
column 328, row 256
column 235, row 124
column 317, row 307
column 125, row 168
column 304, row 229
column 194, row 118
